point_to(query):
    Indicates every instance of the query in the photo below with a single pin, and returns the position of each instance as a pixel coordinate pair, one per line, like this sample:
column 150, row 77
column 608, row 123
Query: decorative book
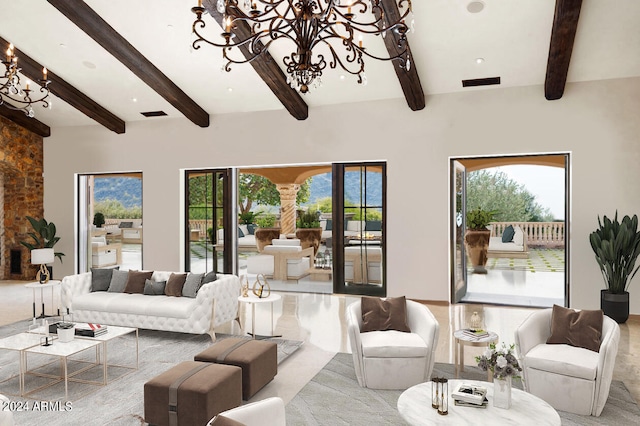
column 90, row 329
column 470, row 394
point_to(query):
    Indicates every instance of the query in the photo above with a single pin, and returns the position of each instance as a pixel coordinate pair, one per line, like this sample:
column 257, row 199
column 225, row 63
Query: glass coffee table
column 414, row 406
column 19, row 343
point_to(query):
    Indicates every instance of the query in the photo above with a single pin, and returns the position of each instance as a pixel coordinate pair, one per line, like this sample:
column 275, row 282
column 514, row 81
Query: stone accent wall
column 21, row 193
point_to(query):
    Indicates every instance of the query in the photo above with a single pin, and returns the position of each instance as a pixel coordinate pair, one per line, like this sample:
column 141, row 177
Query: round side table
column 462, row 339
column 254, row 300
column 49, row 284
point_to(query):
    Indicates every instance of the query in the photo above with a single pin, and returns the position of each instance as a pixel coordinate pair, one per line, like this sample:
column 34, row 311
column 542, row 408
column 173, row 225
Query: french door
column 210, row 228
column 359, row 230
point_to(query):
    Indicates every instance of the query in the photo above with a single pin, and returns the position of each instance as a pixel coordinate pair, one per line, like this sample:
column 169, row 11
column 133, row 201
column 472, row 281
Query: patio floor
column 540, row 260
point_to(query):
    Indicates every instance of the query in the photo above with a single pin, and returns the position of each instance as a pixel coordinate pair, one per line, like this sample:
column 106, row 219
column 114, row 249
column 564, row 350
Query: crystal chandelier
column 21, row 99
column 323, row 32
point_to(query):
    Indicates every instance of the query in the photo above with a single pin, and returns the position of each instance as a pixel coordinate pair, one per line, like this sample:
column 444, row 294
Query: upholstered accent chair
column 393, row 359
column 267, row 411
column 103, row 254
column 569, row 378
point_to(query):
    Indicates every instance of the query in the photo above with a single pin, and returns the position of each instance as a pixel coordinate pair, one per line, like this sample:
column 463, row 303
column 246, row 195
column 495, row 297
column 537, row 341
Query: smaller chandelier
column 13, row 95
column 323, row 32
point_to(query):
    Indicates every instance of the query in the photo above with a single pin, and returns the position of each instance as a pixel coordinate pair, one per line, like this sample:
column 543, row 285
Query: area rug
column 118, row 403
column 333, row 397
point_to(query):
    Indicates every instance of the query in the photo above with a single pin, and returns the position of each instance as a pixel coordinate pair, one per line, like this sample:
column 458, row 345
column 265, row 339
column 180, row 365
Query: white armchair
column 569, row 378
column 267, row 411
column 393, row 359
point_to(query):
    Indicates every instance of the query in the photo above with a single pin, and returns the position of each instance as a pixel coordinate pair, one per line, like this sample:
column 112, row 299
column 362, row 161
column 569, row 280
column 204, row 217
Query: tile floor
column 318, row 320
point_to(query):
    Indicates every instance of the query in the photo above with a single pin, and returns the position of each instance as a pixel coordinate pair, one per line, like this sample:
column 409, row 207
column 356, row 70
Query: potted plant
column 44, row 238
column 308, row 229
column 98, row 220
column 266, row 230
column 477, row 237
column 616, row 246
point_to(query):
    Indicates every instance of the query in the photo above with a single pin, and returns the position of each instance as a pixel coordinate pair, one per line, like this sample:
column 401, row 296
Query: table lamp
column 42, row 257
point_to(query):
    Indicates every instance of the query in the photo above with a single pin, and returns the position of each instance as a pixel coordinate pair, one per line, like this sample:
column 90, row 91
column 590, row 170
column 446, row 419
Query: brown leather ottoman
column 257, row 358
column 191, row 393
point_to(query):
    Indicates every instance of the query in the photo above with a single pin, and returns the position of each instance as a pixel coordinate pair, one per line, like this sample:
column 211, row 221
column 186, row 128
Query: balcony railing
column 542, row 234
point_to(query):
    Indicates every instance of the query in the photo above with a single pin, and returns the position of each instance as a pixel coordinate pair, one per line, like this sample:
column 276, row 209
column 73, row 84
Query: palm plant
column 43, row 235
column 617, row 246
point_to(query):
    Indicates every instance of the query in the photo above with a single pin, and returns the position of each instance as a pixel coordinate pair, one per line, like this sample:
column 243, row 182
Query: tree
column 260, row 190
column 511, row 200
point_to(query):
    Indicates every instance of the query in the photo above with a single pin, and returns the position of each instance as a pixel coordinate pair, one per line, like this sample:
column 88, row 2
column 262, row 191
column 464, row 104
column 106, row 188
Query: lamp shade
column 42, row 256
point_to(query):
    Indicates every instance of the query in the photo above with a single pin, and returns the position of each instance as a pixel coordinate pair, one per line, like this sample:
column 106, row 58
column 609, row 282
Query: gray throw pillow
column 118, row 281
column 154, row 288
column 101, row 278
column 192, row 285
column 209, row 278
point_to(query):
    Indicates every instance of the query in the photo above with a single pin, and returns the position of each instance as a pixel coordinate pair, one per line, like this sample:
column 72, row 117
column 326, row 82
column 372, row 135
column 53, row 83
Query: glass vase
column 502, row 392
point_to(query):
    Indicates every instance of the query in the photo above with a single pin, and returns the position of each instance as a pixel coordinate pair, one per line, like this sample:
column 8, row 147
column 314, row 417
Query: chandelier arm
column 357, row 59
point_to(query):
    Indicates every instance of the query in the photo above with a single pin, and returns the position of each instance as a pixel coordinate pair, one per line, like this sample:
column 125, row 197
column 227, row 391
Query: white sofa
column 516, row 248
column 245, row 243
column 215, row 303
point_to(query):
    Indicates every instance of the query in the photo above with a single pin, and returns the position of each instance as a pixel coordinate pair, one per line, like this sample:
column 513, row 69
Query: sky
column 545, row 182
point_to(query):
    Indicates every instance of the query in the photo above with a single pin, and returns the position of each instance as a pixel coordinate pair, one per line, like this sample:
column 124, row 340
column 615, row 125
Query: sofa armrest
column 73, row 286
column 222, row 295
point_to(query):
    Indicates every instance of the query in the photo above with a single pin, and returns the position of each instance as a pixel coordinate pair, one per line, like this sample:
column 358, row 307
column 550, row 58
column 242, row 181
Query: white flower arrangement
column 502, row 363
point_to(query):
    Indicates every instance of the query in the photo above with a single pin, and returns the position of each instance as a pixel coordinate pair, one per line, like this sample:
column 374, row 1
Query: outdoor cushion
column 507, row 234
column 285, row 242
column 518, row 236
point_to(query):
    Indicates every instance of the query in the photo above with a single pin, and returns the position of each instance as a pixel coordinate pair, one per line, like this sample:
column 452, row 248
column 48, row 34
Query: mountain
column 126, row 190
column 321, row 187
column 129, row 190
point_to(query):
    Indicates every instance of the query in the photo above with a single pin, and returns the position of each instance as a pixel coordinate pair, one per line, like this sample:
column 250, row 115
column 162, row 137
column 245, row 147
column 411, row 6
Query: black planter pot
column 615, row 305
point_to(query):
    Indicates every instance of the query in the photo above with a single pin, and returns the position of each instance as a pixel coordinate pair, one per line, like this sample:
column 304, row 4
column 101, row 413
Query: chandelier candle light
column 323, row 32
column 12, row 95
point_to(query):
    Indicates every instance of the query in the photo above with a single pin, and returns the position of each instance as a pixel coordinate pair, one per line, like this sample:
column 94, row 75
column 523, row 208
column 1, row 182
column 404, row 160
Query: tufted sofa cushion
column 215, row 304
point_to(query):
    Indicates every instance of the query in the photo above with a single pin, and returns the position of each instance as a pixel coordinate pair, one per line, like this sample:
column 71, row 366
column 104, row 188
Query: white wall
column 595, row 121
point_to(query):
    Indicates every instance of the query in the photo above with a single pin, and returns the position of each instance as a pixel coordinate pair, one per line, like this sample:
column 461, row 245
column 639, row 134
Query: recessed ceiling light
column 230, row 89
column 475, row 7
column 169, row 26
column 479, row 60
column 62, row 45
column 88, row 64
column 134, row 99
column 342, row 77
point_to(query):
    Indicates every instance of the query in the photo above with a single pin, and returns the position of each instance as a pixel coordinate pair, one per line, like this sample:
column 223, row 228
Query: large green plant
column 478, row 219
column 308, row 219
column 43, row 235
column 267, row 220
column 616, row 246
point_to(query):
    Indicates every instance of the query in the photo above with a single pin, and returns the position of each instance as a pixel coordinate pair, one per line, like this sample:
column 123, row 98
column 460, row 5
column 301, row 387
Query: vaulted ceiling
column 109, row 61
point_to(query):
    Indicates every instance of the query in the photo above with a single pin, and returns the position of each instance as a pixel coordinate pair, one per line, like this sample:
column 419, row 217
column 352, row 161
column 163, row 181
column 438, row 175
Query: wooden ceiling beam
column 409, row 80
column 563, row 34
column 65, row 91
column 106, row 36
column 266, row 67
column 21, row 119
